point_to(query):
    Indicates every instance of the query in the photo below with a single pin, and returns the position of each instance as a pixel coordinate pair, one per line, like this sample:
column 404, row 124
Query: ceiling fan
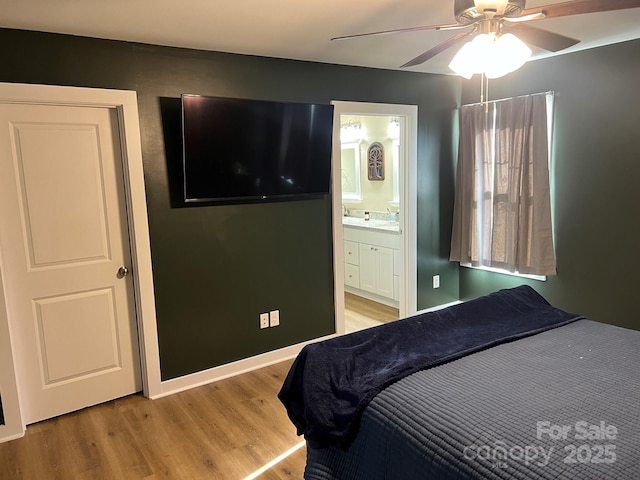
column 497, row 18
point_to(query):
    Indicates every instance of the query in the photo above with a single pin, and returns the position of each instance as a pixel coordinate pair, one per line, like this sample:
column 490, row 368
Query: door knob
column 123, row 272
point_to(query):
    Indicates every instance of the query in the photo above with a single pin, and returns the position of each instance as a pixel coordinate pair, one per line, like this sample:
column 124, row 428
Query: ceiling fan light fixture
column 468, row 59
column 491, row 55
column 511, row 53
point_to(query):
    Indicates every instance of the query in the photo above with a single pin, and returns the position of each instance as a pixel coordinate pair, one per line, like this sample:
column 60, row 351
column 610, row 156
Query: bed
column 502, row 387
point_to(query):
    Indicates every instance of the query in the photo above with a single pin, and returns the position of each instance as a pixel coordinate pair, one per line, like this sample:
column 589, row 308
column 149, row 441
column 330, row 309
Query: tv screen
column 238, row 149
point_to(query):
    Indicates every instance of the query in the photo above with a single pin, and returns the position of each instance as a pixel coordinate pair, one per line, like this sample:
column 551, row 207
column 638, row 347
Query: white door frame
column 125, row 102
column 408, row 216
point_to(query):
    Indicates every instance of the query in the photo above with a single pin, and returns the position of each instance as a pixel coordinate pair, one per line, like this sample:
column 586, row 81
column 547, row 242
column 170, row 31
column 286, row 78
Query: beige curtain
column 502, row 213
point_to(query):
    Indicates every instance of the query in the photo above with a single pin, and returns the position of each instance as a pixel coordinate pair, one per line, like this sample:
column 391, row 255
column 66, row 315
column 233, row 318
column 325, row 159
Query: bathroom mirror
column 351, row 171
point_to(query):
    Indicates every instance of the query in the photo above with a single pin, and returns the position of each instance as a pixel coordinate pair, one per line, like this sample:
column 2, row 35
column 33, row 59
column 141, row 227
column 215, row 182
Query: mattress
column 331, row 382
column 560, row 404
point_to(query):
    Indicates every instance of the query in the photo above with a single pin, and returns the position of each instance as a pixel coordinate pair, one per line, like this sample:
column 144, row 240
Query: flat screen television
column 254, row 150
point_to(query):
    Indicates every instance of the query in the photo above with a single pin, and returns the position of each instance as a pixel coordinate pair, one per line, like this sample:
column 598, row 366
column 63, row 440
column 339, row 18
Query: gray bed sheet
column 562, row 404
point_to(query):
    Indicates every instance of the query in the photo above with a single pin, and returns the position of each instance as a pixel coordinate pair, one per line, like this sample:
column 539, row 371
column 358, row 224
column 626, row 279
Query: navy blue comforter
column 331, row 382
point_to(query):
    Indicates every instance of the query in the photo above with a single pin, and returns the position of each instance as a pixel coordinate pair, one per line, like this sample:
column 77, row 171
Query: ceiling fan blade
column 401, row 30
column 550, row 41
column 437, row 49
column 525, row 18
column 579, row 7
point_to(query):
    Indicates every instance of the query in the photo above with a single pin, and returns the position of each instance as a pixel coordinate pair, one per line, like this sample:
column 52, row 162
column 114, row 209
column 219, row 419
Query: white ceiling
column 294, row 29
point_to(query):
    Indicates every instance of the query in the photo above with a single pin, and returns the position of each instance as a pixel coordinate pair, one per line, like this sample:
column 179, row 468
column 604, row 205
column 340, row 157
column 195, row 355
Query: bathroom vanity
column 372, row 259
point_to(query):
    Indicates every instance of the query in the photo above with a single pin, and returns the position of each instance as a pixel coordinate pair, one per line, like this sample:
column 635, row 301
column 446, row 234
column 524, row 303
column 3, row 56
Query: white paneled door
column 65, row 255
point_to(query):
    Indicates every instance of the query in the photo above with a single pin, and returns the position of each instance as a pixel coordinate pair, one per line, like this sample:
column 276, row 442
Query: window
column 502, row 213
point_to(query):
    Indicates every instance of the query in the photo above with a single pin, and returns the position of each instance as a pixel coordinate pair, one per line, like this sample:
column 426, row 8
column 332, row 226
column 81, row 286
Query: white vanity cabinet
column 376, row 269
column 371, row 267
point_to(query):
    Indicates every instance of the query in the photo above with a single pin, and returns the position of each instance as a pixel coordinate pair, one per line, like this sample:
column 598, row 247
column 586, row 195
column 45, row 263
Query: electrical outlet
column 264, row 320
column 436, row 281
column 274, row 318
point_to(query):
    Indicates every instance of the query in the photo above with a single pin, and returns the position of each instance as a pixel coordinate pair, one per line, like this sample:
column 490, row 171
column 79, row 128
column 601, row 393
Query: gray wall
column 595, row 181
column 216, row 268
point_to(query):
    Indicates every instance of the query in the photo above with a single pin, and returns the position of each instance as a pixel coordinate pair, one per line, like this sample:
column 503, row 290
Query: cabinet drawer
column 352, row 275
column 351, row 252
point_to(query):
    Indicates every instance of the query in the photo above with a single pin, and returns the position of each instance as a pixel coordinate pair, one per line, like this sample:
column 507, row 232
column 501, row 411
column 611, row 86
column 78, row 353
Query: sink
column 372, row 224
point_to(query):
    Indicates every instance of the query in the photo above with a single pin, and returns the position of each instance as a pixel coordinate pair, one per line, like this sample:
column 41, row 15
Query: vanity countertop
column 373, row 224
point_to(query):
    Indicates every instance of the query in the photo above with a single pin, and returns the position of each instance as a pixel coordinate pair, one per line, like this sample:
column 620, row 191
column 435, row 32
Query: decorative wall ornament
column 375, row 161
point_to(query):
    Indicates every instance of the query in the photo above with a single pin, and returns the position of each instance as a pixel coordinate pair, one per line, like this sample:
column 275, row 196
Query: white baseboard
column 6, row 435
column 439, row 307
column 186, row 382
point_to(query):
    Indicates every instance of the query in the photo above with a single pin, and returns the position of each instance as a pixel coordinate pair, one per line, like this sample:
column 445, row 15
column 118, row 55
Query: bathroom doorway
column 374, row 207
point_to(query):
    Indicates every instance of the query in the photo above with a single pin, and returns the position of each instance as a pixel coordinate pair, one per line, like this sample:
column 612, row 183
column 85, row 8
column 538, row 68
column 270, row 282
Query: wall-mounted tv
column 254, row 150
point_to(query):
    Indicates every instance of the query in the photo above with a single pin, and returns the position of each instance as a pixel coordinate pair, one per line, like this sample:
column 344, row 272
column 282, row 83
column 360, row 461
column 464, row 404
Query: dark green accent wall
column 436, row 187
column 595, row 181
column 216, row 268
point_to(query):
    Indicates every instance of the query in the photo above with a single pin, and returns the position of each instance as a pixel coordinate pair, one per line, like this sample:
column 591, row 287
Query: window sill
column 541, row 278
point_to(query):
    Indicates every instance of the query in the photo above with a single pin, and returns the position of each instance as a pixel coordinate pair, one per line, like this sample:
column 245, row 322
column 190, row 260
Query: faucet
column 345, row 211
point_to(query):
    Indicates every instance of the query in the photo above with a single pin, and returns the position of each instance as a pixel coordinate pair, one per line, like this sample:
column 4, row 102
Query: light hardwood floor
column 362, row 313
column 227, row 430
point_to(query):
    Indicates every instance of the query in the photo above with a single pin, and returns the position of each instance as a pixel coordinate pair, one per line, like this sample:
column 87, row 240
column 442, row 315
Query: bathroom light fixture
column 491, row 54
column 393, row 129
column 351, row 132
